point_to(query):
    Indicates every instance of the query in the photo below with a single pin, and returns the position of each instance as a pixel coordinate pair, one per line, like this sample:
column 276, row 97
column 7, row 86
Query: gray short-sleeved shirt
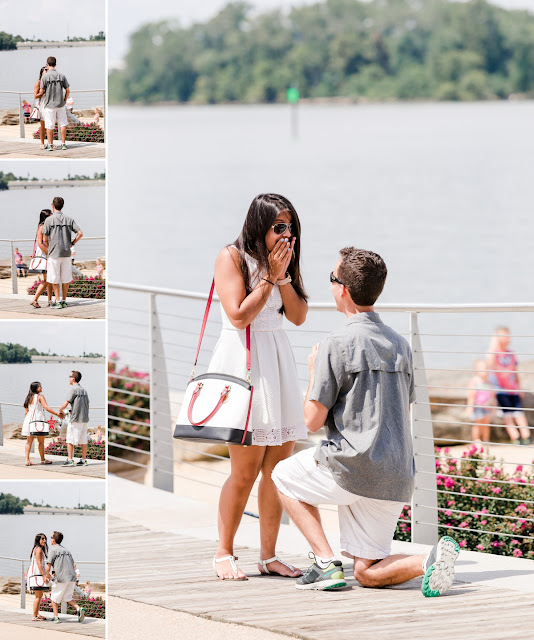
column 79, row 401
column 364, row 377
column 60, row 230
column 54, row 85
column 62, row 563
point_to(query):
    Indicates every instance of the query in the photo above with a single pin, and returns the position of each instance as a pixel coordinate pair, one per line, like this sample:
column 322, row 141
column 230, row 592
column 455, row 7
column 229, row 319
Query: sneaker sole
column 81, row 617
column 322, row 585
column 439, row 577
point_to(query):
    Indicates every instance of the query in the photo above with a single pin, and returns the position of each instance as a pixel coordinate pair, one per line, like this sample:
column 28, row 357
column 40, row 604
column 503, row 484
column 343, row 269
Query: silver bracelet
column 286, row 280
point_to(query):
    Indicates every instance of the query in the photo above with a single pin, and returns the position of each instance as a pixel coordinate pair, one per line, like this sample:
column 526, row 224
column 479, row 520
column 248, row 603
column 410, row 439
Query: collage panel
column 53, row 81
column 52, row 560
column 52, row 239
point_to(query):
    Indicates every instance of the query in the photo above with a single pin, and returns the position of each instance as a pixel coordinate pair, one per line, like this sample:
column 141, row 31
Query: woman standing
column 37, row 93
column 502, row 362
column 35, row 406
column 41, row 251
column 38, row 568
column 258, row 282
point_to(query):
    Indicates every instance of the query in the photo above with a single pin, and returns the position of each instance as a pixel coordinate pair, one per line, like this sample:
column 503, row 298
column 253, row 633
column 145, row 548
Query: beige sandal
column 266, row 571
column 232, row 560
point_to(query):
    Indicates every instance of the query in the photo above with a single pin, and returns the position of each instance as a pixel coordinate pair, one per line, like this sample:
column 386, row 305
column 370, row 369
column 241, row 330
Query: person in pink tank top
column 482, row 402
column 502, row 364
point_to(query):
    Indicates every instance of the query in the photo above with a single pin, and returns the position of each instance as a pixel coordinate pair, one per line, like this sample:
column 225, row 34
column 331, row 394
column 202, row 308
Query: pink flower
column 514, row 541
column 448, row 513
column 449, row 483
column 463, row 490
column 464, row 524
column 483, row 522
column 496, row 489
column 480, row 547
column 517, row 553
column 463, row 543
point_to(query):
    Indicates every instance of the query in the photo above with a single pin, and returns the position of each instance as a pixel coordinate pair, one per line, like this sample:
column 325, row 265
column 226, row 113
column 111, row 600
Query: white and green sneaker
column 56, row 620
column 81, row 614
column 322, row 579
column 439, row 567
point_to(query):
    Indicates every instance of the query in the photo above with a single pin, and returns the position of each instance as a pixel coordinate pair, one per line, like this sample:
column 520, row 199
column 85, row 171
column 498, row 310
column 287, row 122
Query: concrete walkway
column 91, row 627
column 28, row 148
column 12, row 466
column 17, row 305
column 175, row 539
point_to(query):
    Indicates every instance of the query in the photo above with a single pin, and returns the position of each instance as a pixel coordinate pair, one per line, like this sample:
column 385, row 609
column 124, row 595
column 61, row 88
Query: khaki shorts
column 59, row 270
column 77, row 433
column 51, row 114
column 366, row 525
column 62, row 592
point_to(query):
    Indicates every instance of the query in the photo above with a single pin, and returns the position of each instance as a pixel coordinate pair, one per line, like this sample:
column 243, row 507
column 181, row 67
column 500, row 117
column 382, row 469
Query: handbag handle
column 204, row 322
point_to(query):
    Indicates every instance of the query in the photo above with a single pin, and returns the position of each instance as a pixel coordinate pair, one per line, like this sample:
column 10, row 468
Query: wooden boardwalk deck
column 90, row 627
column 174, row 572
column 19, row 307
column 95, row 469
column 83, row 150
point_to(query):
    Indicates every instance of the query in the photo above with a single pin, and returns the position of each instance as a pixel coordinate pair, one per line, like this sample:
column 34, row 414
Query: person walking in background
column 99, row 268
column 22, row 271
column 35, row 406
column 41, row 250
column 502, row 364
column 361, row 386
column 37, row 570
column 61, row 562
column 58, row 230
column 55, row 90
column 79, row 419
column 482, row 402
column 258, row 282
column 37, row 93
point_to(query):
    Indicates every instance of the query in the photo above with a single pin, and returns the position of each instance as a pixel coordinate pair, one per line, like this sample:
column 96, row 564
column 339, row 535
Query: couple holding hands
column 35, row 406
column 360, row 389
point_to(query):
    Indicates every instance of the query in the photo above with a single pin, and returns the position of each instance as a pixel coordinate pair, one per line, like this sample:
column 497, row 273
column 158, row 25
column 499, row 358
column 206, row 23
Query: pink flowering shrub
column 128, row 407
column 96, row 450
column 468, row 508
column 83, row 132
column 84, row 287
column 95, row 606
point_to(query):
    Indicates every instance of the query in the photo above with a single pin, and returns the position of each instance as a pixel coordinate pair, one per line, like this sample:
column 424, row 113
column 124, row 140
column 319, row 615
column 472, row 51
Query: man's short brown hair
column 363, row 273
column 76, row 375
column 51, row 61
column 58, row 203
column 57, row 537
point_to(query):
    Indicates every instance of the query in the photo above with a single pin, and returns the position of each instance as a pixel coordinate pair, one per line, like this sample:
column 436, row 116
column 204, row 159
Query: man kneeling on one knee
column 361, row 386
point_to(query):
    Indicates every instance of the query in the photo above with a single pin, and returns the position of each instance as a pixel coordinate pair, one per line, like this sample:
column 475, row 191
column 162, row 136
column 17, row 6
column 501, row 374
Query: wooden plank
column 174, row 572
column 95, row 468
column 77, row 308
column 15, row 149
column 91, row 627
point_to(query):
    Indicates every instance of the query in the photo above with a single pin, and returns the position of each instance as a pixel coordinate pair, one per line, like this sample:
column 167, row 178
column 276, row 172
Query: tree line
column 15, row 353
column 9, row 41
column 5, row 178
column 13, row 505
column 378, row 50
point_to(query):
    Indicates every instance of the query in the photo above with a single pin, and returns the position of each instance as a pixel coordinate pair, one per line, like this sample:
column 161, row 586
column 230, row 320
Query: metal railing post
column 161, row 443
column 22, row 587
column 1, row 428
column 424, row 502
column 14, row 281
column 21, row 118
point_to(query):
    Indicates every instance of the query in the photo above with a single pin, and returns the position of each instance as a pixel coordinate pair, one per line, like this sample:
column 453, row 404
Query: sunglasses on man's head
column 334, row 279
column 280, row 227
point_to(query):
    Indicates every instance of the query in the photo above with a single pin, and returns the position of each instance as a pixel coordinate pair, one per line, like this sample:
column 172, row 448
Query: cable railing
column 87, row 250
column 92, row 570
column 155, row 331
column 85, row 101
column 13, row 413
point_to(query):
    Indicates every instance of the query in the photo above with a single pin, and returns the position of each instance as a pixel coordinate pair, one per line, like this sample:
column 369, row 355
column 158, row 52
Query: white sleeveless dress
column 277, row 414
column 35, row 409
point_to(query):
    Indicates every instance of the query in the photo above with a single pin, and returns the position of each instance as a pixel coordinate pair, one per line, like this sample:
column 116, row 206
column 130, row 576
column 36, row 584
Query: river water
column 84, row 537
column 442, row 191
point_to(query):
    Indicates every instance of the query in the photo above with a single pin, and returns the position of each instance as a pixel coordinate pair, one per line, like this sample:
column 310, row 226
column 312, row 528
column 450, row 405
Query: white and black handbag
column 216, row 406
column 36, row 582
column 38, row 427
column 38, row 264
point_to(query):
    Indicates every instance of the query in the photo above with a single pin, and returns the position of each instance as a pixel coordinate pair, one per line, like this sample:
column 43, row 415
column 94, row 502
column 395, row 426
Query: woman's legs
column 522, row 422
column 42, row 133
column 481, row 430
column 40, row 290
column 270, row 507
column 510, row 426
column 40, row 444
column 37, row 603
column 246, row 464
column 28, row 448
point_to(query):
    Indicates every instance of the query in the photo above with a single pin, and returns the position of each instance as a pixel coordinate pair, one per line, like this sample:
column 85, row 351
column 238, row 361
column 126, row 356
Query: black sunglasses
column 334, row 279
column 280, row 227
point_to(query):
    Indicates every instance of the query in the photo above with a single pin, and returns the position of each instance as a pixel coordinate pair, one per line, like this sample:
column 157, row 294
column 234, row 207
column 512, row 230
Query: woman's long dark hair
column 37, row 543
column 43, row 69
column 43, row 216
column 261, row 215
column 33, row 390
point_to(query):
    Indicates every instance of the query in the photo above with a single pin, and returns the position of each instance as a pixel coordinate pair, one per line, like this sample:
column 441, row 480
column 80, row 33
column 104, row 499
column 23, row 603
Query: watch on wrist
column 286, row 280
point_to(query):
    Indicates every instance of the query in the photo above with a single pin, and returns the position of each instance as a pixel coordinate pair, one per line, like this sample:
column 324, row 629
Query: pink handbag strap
column 205, row 321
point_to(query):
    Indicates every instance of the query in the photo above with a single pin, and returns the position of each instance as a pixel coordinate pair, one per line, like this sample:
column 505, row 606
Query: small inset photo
column 52, row 396
column 53, row 81
column 52, row 567
column 52, row 240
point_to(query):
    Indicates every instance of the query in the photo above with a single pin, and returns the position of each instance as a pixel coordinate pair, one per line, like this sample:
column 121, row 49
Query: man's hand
column 61, row 414
column 312, row 356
